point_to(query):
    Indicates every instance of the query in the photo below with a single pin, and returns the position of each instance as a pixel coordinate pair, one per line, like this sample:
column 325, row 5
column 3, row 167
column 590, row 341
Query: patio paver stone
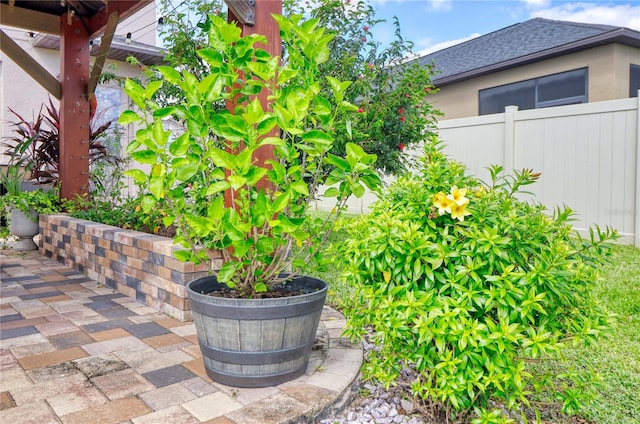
column 73, row 351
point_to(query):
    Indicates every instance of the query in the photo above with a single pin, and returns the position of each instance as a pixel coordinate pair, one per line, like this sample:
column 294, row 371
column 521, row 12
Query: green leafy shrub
column 107, row 202
column 27, row 201
column 462, row 283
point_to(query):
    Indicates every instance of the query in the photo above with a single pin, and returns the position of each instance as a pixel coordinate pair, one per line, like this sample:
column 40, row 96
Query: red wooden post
column 74, row 107
column 264, row 25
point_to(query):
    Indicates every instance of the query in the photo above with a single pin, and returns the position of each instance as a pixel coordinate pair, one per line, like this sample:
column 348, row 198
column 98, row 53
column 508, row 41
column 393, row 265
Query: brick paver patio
column 74, row 351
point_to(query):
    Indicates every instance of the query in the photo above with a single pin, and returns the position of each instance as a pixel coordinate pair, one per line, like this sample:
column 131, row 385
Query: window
column 108, row 99
column 634, row 80
column 552, row 90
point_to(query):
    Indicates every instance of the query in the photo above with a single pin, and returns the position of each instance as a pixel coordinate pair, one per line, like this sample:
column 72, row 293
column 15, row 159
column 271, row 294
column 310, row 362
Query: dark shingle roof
column 522, row 43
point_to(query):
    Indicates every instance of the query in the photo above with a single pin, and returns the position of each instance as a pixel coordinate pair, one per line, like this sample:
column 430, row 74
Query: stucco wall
column 17, row 89
column 608, row 78
column 141, row 25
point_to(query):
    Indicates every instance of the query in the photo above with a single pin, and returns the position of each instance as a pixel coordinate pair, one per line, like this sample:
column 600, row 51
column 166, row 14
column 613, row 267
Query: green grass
column 613, row 362
column 616, row 357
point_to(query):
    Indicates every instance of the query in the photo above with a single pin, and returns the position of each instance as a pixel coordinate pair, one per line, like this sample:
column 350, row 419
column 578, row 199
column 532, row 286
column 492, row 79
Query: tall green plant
column 460, row 284
column 215, row 151
column 390, row 90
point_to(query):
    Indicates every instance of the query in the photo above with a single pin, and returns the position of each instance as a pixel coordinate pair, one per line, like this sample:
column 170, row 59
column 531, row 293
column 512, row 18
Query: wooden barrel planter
column 256, row 342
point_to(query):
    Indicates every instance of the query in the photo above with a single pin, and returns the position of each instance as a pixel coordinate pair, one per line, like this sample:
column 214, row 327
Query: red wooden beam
column 264, row 25
column 74, row 108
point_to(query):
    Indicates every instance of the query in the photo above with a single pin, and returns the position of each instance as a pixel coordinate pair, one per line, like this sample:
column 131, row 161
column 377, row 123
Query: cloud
column 440, row 46
column 537, row 3
column 624, row 15
column 441, row 4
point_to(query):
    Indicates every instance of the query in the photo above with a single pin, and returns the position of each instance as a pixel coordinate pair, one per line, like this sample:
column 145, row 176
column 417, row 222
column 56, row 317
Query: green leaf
column 148, row 157
column 218, row 187
column 281, row 202
column 200, row 225
column 164, row 112
column 223, row 159
column 137, row 175
column 135, row 92
column 226, row 272
column 285, row 75
column 156, row 186
column 230, row 127
column 241, row 247
column 354, row 153
column 147, row 203
column 300, row 186
column 337, row 161
column 151, row 88
column 236, row 181
column 264, row 246
column 229, row 33
column 129, row 117
column 185, row 167
column 322, row 106
column 160, row 136
column 358, row 190
column 180, row 145
column 212, row 56
column 182, row 255
column 254, row 175
column 266, row 125
column 318, row 137
column 170, row 74
column 331, row 192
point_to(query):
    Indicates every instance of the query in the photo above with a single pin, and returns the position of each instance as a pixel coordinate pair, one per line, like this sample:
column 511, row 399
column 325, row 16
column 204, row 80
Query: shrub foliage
column 461, row 283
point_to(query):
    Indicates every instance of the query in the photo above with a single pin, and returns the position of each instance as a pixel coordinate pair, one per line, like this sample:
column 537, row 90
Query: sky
column 436, row 24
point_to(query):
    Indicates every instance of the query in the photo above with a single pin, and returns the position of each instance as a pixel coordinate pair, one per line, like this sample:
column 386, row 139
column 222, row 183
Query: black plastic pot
column 256, row 342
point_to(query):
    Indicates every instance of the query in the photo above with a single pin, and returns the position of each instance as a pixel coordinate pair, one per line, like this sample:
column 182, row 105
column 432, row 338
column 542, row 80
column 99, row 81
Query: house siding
column 608, row 78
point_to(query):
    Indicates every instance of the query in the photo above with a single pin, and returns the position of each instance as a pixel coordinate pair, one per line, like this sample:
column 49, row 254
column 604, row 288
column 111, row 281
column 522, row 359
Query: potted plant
column 21, row 206
column 245, row 216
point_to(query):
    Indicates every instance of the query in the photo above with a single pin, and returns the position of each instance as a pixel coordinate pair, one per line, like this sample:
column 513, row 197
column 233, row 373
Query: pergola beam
column 264, row 24
column 30, row 20
column 103, row 50
column 29, row 65
column 243, row 10
column 75, row 130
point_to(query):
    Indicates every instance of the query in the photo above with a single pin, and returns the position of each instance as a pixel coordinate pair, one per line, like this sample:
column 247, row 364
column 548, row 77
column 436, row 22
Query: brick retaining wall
column 137, row 264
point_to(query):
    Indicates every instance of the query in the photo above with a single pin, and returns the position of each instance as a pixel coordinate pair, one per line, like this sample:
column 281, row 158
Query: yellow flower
column 443, row 204
column 457, row 196
column 459, row 212
column 480, row 191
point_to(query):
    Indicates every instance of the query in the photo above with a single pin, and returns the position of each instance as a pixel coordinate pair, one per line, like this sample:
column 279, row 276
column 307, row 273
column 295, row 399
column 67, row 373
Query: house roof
column 516, row 45
column 120, row 50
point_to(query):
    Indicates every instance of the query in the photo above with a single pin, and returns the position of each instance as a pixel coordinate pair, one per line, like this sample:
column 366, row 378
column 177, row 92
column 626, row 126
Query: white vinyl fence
column 588, row 154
